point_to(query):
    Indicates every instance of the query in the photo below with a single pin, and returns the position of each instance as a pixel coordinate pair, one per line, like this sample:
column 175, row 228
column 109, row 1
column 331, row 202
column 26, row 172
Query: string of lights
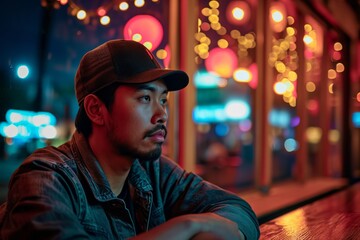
column 99, row 10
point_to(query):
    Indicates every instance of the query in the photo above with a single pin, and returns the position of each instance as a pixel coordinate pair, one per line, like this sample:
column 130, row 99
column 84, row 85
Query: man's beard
column 125, row 149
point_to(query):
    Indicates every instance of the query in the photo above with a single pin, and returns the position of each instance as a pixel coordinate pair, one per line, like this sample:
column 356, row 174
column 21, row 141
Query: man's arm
column 202, row 226
column 39, row 205
column 186, row 193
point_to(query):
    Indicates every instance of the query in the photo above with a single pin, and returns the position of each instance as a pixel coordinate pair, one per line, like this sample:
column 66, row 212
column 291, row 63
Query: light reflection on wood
column 334, row 217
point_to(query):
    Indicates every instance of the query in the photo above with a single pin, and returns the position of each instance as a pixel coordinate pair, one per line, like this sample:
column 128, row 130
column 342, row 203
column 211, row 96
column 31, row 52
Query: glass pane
column 336, row 77
column 284, row 60
column 315, row 88
column 225, row 81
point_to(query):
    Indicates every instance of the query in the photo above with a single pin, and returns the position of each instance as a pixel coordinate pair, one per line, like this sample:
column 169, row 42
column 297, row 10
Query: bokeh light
column 331, row 74
column 222, row 129
column 48, row 132
column 238, row 12
column 278, row 16
column 139, row 3
column 237, row 109
column 101, row 11
column 242, row 75
column 81, row 15
column 23, row 71
column 313, row 134
column 145, row 29
column 245, row 125
column 123, row 6
column 340, row 67
column 290, row 145
column 221, row 61
column 105, row 20
column 310, row 87
column 338, row 46
column 11, row 131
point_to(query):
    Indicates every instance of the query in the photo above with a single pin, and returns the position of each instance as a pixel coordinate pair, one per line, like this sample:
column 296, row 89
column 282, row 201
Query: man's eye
column 145, row 98
column 164, row 101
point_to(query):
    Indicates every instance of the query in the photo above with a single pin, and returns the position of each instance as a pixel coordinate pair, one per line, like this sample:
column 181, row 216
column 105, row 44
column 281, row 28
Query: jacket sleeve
column 40, row 205
column 185, row 193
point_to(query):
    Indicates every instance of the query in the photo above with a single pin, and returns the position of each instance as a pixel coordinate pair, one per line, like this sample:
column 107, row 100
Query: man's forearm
column 195, row 226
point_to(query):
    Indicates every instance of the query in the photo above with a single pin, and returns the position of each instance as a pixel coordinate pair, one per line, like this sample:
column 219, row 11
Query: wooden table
column 334, row 217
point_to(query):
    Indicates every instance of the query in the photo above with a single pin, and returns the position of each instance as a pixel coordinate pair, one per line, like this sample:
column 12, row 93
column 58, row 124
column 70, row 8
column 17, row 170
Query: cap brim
column 173, row 79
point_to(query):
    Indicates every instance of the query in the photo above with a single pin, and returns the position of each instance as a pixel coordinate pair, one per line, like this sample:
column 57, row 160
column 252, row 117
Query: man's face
column 137, row 119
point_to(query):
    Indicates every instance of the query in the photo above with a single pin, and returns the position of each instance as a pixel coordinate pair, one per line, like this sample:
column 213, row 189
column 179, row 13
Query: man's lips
column 158, row 135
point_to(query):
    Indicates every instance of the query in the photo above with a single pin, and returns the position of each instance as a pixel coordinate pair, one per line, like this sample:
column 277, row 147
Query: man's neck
column 116, row 167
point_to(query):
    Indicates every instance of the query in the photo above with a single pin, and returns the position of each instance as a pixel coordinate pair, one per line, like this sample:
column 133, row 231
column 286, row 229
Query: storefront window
column 284, row 61
column 225, row 82
column 315, row 89
column 335, row 88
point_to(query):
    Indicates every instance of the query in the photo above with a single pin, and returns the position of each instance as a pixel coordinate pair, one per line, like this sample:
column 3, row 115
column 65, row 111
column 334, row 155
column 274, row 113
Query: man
column 110, row 181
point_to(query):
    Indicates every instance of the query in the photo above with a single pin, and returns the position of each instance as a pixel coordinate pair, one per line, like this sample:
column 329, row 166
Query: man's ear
column 93, row 108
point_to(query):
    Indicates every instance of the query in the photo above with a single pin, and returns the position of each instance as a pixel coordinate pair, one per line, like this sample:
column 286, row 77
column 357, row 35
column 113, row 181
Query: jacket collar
column 95, row 176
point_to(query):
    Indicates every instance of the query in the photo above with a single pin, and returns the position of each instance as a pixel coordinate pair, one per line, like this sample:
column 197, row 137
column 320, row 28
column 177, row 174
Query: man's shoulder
column 51, row 155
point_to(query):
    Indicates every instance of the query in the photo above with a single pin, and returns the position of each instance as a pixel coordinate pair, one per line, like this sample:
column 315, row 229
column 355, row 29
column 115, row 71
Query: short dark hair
column 82, row 121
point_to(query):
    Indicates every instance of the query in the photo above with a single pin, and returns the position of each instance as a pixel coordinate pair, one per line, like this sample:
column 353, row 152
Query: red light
column 101, row 12
column 336, row 56
column 222, row 62
column 145, row 29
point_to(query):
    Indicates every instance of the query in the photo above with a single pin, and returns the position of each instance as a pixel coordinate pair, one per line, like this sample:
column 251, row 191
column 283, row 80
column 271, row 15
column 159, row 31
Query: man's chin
column 152, row 155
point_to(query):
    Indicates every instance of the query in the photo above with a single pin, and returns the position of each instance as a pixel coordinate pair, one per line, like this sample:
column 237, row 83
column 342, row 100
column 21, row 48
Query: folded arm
column 186, row 193
column 200, row 226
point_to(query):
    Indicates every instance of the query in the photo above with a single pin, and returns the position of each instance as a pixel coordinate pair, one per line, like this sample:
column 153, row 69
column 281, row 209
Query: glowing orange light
column 338, row 46
column 101, row 11
column 307, row 39
column 123, row 6
column 279, row 88
column 238, row 12
column 340, row 67
column 331, row 74
column 139, row 3
column 221, row 61
column 331, row 88
column 81, row 15
column 278, row 16
column 105, row 20
column 168, row 56
column 148, row 28
column 242, row 75
column 63, row 2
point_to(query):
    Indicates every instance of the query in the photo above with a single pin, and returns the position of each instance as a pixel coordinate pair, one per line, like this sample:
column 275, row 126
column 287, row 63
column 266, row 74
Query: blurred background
column 274, row 98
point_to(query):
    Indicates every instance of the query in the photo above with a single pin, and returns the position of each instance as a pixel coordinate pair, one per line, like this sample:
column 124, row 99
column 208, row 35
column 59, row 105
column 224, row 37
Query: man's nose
column 160, row 114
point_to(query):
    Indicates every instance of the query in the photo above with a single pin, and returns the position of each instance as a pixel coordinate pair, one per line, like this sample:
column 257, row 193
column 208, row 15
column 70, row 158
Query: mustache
column 155, row 129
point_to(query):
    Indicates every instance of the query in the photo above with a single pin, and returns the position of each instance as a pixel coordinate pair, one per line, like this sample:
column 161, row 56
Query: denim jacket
column 63, row 193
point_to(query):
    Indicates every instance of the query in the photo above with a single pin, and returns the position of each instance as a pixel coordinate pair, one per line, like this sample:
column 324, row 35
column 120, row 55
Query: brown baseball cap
column 122, row 61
